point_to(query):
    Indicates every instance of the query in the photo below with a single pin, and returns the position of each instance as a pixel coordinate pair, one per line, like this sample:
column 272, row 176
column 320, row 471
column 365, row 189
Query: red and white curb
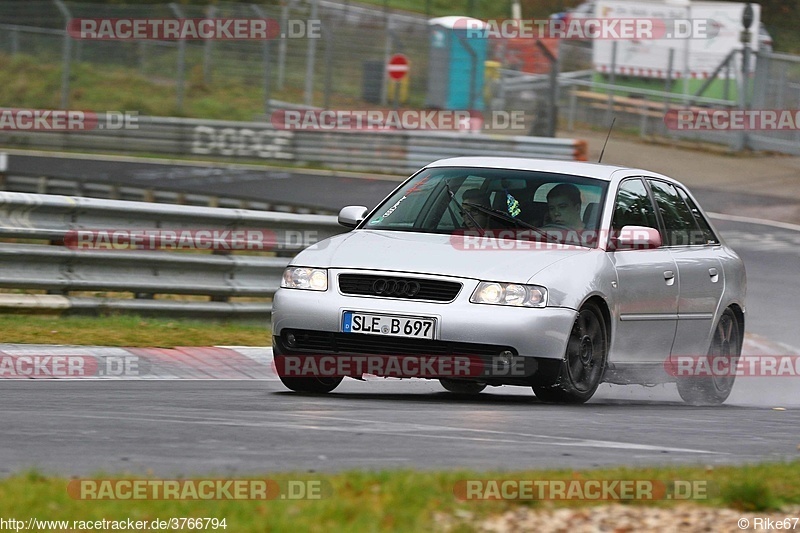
column 46, row 361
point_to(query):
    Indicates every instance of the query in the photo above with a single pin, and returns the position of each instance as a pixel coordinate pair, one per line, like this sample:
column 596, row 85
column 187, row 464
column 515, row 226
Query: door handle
column 669, row 274
column 714, row 274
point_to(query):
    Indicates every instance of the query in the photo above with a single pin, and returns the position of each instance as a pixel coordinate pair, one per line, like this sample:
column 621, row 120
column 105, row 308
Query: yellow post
column 491, row 74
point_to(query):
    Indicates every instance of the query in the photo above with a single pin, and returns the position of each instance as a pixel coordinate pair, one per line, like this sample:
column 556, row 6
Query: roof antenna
column 607, row 136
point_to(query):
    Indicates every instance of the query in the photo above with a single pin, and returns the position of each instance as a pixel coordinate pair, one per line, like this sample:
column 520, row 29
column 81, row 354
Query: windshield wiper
column 460, row 206
column 502, row 215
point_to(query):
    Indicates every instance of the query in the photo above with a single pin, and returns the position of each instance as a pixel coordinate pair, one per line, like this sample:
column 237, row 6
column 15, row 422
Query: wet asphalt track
column 221, row 427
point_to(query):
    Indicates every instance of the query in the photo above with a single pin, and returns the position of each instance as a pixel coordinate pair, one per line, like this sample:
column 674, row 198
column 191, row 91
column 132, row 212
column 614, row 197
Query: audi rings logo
column 393, row 287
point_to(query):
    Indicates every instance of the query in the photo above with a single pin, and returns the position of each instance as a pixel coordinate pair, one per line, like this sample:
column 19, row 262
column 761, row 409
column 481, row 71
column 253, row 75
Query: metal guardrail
column 397, row 151
column 149, row 275
column 112, row 191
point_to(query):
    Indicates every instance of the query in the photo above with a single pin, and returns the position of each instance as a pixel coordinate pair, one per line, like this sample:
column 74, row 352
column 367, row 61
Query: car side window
column 679, row 223
column 633, row 206
column 709, row 237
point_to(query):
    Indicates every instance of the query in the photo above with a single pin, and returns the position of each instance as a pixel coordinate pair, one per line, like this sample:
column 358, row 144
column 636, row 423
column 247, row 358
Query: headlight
column 490, row 292
column 315, row 279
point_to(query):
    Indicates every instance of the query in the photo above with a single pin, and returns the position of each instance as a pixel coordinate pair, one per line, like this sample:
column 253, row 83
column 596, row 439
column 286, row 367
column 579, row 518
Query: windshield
column 453, row 200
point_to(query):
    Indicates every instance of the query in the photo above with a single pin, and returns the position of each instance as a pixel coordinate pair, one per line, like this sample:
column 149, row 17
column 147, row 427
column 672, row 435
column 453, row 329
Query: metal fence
column 342, row 68
column 211, row 284
column 774, row 85
column 777, row 86
column 393, row 151
column 322, row 59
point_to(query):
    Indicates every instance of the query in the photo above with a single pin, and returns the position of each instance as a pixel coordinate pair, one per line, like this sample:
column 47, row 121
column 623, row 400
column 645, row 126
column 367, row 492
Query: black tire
column 584, row 364
column 312, row 385
column 458, row 386
column 714, row 390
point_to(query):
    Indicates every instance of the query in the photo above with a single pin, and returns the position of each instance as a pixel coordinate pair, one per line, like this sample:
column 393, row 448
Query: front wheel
column 727, row 345
column 312, row 385
column 581, row 371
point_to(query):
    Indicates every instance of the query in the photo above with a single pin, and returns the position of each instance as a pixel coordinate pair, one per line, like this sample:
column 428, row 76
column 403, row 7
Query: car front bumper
column 526, row 332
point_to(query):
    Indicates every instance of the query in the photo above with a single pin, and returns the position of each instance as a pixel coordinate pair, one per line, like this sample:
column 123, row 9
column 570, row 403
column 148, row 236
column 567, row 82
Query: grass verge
column 392, row 500
column 129, row 331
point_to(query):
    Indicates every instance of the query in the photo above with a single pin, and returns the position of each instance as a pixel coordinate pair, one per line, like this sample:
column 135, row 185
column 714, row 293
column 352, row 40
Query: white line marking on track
column 753, row 220
column 560, row 441
column 402, row 431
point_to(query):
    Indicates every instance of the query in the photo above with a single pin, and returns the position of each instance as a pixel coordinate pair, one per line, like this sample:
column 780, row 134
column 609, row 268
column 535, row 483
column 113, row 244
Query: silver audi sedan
column 506, row 271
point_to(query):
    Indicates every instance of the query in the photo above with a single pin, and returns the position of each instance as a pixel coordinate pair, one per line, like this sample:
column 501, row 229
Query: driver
column 564, row 206
column 475, row 196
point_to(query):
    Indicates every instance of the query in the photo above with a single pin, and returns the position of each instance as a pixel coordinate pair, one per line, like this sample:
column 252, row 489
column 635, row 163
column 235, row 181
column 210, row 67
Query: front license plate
column 395, row 326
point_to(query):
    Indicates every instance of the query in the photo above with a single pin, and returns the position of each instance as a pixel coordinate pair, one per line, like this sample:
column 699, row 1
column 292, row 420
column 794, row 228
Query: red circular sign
column 397, row 67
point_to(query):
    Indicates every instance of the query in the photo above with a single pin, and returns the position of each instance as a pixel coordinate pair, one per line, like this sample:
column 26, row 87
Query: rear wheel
column 462, row 387
column 581, row 371
column 726, row 344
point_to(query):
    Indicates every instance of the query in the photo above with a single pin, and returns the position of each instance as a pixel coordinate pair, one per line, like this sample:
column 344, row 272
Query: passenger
column 564, row 207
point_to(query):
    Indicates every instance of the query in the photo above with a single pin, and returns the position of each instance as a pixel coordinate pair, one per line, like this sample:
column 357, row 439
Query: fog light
column 291, row 340
column 503, row 360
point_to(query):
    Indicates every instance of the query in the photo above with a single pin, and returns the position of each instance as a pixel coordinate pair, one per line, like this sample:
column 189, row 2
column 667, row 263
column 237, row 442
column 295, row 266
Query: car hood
column 432, row 254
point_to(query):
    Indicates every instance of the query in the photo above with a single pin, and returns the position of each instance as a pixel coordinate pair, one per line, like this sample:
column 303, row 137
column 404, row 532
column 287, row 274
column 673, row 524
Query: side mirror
column 638, row 238
column 352, row 215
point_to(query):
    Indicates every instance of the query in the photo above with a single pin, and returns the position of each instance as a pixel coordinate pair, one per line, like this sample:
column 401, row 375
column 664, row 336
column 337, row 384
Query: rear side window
column 679, row 223
column 708, row 234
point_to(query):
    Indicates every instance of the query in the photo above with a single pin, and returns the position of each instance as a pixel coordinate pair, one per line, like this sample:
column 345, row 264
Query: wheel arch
column 738, row 312
column 605, row 310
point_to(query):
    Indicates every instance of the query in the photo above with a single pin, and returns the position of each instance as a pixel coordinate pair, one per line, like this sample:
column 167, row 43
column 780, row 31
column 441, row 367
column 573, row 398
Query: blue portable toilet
column 458, row 53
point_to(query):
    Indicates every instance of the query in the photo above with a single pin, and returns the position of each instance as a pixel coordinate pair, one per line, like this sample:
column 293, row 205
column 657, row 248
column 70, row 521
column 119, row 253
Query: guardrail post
column 285, row 6
column 181, row 74
column 329, row 43
column 668, row 87
column 267, row 52
column 643, row 126
column 573, row 102
column 210, row 13
column 67, row 54
column 14, row 41
column 310, row 58
column 387, row 51
column 3, row 169
column 612, row 81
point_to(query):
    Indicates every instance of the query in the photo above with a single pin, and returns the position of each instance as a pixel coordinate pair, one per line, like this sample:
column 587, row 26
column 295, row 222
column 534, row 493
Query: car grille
column 398, row 287
column 355, row 343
